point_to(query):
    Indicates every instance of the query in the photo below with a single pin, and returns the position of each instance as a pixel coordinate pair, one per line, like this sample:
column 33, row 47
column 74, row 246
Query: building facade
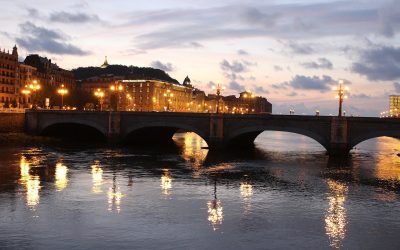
column 394, row 105
column 8, row 78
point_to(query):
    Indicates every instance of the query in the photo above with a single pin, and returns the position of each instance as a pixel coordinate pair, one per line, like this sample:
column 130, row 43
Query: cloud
column 196, row 45
column 360, row 96
column 379, row 63
column 278, row 68
column 234, row 66
column 41, row 39
column 267, row 19
column 236, row 86
column 66, row 17
column 260, row 89
column 322, row 63
column 167, row 67
column 312, row 83
column 283, row 85
column 291, row 94
column 242, row 52
column 396, row 86
column 298, row 48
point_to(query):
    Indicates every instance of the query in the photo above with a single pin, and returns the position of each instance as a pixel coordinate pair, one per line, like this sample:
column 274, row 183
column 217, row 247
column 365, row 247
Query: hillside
column 129, row 72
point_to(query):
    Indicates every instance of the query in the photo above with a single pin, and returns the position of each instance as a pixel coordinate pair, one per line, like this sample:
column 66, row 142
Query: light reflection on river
column 286, row 194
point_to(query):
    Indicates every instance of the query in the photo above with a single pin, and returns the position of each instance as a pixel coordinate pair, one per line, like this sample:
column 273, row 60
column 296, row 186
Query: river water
column 286, row 194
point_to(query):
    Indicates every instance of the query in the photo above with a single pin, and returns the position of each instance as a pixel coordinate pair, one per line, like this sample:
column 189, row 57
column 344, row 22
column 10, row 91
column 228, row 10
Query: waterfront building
column 156, row 95
column 8, row 76
column 394, row 105
column 26, row 75
column 50, row 74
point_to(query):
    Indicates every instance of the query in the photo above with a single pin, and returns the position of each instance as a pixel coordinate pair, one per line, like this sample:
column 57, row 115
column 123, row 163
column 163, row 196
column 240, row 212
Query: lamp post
column 62, row 91
column 341, row 90
column 26, row 91
column 34, row 86
column 100, row 94
column 218, row 88
column 117, row 88
column 250, row 96
column 168, row 95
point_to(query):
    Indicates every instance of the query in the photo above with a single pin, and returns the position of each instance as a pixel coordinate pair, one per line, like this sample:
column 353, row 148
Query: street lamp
column 26, row 91
column 250, row 96
column 117, row 88
column 34, row 86
column 168, row 95
column 100, row 94
column 218, row 89
column 341, row 90
column 62, row 91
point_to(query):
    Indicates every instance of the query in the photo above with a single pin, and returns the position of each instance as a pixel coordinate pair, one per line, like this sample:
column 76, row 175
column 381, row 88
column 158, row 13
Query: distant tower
column 187, row 81
column 105, row 64
column 15, row 51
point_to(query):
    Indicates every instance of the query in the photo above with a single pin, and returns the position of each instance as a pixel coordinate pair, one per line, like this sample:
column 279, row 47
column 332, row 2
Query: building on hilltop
column 105, row 64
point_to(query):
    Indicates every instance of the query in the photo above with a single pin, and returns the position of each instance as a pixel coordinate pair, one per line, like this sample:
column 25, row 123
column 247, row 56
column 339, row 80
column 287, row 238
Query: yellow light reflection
column 31, row 184
column 246, row 191
column 387, row 166
column 114, row 196
column 194, row 152
column 97, row 178
column 61, row 177
column 166, row 182
column 335, row 218
column 215, row 213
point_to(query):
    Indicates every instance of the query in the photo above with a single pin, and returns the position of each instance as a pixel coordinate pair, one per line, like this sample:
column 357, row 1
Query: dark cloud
column 236, row 86
column 360, row 96
column 289, row 22
column 312, row 83
column 278, row 68
column 196, row 45
column 396, row 86
column 41, row 39
column 321, row 63
column 242, row 52
column 379, row 63
column 260, row 90
column 33, row 13
column 298, row 48
column 167, row 67
column 66, row 17
column 234, row 66
column 291, row 94
column 283, row 85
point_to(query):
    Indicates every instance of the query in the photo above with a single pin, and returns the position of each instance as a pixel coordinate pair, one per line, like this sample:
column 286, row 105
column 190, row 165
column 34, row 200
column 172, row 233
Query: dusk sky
column 291, row 52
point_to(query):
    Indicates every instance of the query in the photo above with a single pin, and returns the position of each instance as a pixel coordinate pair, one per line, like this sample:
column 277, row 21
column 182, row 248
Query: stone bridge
column 336, row 135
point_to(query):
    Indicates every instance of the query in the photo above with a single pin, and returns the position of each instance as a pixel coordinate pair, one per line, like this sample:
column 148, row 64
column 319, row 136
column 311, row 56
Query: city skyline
column 292, row 52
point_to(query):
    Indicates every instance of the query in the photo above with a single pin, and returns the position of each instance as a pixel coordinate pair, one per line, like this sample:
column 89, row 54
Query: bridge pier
column 114, row 127
column 216, row 138
column 339, row 141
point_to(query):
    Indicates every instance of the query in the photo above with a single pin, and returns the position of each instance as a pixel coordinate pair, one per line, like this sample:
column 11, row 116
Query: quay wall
column 12, row 122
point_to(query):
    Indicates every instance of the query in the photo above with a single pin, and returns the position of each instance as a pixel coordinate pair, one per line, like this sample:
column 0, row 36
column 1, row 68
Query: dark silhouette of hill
column 129, row 72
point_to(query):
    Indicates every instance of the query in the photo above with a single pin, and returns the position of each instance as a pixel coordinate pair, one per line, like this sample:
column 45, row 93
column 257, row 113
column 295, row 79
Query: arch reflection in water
column 31, row 184
column 114, row 196
column 335, row 218
column 97, row 177
column 215, row 210
column 61, row 176
column 166, row 182
column 194, row 152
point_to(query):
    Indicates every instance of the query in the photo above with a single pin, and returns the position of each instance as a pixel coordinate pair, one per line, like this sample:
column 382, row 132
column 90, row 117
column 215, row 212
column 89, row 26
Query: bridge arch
column 246, row 136
column 158, row 132
column 74, row 130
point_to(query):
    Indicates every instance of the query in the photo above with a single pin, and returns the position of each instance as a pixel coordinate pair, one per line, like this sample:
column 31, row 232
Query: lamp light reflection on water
column 166, row 182
column 193, row 151
column 97, row 178
column 246, row 191
column 61, row 176
column 215, row 210
column 335, row 219
column 31, row 184
column 114, row 196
